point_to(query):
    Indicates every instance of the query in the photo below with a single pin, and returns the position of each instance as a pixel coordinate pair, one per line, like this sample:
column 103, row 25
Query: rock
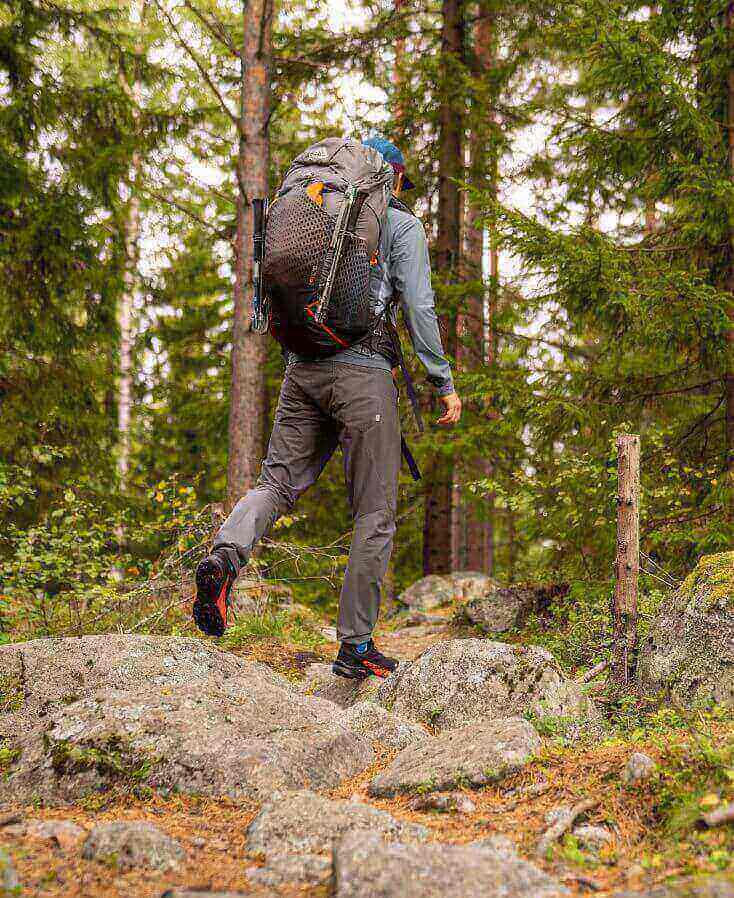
column 694, row 887
column 311, row 869
column 63, row 833
column 303, row 822
column 688, row 654
column 420, row 618
column 320, row 682
column 592, row 838
column 9, row 882
column 168, row 713
column 365, row 865
column 456, row 802
column 638, row 768
column 474, row 755
column 129, row 846
column 556, row 813
column 500, row 845
column 253, row 596
column 499, row 609
column 462, row 680
column 376, row 724
column 438, row 590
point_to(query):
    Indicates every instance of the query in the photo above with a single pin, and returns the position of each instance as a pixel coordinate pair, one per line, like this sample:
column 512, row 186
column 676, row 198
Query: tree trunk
column 124, row 323
column 627, row 560
column 437, row 513
column 729, row 376
column 131, row 235
column 483, row 173
column 247, row 391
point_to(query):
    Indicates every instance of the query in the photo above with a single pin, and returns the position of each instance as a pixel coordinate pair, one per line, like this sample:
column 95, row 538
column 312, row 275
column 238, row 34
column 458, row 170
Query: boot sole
column 350, row 671
column 207, row 616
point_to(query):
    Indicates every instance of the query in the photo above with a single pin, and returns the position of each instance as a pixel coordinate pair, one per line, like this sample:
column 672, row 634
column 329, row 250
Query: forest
column 574, row 172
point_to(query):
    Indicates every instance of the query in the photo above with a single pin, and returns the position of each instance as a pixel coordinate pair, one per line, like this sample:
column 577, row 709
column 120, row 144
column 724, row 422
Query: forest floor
column 655, row 824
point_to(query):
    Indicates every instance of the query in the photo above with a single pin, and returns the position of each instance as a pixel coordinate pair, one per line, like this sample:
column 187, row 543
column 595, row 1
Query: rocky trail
column 143, row 766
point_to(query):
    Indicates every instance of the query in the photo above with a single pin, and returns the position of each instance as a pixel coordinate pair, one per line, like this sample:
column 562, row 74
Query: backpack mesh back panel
column 297, row 233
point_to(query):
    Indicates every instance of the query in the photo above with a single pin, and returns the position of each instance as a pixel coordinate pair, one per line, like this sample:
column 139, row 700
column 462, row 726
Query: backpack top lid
column 339, row 162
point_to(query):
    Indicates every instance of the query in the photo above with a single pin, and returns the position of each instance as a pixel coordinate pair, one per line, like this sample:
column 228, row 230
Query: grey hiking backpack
column 322, row 235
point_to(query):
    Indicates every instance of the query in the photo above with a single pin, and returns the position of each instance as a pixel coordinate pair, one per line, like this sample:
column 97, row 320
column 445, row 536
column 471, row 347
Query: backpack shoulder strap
column 395, row 203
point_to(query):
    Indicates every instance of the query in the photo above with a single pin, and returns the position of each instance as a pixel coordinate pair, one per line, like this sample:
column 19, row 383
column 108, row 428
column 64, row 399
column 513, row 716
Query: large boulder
column 164, row 712
column 306, row 823
column 284, row 869
column 320, row 682
column 129, row 846
column 503, row 608
column 378, row 725
column 442, row 590
column 474, row 755
column 463, row 680
column 688, row 654
column 366, row 865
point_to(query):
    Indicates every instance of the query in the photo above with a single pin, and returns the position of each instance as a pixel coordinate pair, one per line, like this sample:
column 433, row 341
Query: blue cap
column 390, row 153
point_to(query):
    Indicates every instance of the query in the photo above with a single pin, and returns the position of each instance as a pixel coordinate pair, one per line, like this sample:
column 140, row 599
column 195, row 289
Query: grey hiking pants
column 323, row 405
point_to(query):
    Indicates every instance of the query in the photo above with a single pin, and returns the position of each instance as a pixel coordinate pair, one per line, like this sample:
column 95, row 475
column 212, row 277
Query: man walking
column 348, row 400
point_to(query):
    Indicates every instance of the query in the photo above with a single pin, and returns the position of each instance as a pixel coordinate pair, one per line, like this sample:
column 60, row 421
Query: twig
column 594, row 672
column 562, row 825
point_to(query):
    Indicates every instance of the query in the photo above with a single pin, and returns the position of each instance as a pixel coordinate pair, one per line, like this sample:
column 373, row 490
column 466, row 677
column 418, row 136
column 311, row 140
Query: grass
column 298, row 628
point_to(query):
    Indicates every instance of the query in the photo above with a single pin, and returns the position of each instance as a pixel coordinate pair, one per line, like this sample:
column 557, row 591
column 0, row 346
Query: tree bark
column 627, row 561
column 247, row 391
column 483, row 173
column 729, row 376
column 437, row 514
column 125, row 306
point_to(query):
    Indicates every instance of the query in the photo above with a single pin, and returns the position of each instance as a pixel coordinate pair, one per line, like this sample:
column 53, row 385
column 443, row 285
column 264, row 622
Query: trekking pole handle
column 356, row 210
column 258, row 232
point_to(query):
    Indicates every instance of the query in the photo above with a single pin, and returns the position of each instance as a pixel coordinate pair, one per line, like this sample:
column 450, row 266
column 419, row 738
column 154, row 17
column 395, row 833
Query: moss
column 111, row 758
column 12, row 694
column 8, row 756
column 710, row 586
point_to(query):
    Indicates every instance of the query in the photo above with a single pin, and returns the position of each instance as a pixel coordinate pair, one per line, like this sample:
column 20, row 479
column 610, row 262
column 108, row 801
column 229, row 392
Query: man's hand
column 452, row 404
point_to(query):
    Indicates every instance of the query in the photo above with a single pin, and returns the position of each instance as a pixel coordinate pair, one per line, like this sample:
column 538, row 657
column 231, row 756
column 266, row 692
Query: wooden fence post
column 627, row 560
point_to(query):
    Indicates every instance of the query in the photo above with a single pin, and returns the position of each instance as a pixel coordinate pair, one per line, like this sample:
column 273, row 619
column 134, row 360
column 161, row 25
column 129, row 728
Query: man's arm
column 410, row 270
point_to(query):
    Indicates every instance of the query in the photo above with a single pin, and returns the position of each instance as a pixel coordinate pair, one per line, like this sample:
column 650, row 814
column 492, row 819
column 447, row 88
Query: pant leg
column 303, row 440
column 365, row 405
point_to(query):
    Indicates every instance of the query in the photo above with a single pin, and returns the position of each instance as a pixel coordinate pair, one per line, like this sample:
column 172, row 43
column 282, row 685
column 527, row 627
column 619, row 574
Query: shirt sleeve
column 410, row 271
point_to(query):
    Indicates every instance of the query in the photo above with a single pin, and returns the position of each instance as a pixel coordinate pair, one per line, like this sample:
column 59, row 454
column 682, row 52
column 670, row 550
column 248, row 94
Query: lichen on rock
column 688, row 653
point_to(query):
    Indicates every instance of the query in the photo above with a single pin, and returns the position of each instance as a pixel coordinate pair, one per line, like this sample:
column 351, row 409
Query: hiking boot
column 214, row 579
column 358, row 665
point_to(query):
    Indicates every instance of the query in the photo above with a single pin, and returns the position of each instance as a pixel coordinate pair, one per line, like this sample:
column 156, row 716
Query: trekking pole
column 346, row 222
column 259, row 322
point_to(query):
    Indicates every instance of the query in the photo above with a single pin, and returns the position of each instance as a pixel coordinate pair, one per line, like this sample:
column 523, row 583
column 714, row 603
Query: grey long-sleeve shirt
column 403, row 268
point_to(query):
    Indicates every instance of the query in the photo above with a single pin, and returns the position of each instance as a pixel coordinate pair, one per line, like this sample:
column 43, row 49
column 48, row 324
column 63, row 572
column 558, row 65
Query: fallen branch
column 721, row 815
column 10, row 819
column 594, row 672
column 562, row 826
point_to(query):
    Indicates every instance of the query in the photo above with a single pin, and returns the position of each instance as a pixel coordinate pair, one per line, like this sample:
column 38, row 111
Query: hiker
column 338, row 396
